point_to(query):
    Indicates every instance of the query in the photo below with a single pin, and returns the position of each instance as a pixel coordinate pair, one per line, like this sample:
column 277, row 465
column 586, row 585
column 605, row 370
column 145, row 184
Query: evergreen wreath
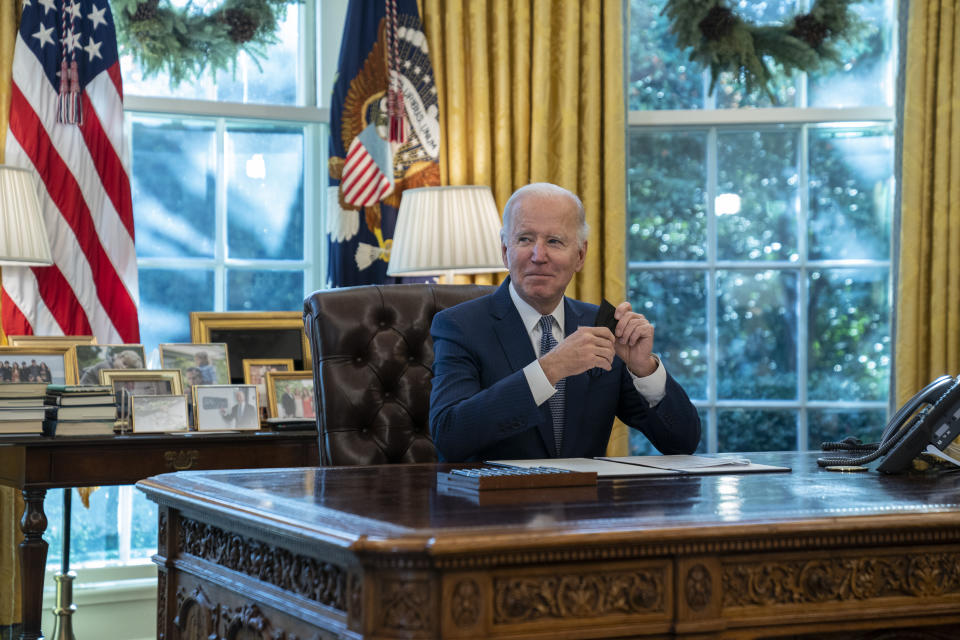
column 187, row 40
column 722, row 40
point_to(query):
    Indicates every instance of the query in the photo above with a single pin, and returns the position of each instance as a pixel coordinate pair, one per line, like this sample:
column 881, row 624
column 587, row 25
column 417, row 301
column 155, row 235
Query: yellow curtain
column 11, row 504
column 928, row 296
column 532, row 91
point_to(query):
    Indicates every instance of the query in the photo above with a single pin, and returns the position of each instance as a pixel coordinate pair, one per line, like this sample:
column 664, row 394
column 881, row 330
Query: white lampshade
column 23, row 236
column 446, row 230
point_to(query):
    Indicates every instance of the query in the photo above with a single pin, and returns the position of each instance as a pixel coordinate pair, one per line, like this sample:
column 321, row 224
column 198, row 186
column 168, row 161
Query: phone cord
column 853, row 444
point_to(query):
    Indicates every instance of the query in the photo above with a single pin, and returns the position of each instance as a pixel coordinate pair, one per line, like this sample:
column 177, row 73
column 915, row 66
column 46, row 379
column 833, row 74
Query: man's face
column 541, row 251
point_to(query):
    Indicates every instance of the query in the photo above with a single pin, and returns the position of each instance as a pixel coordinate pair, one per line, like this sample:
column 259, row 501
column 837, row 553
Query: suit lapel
column 576, row 392
column 518, row 350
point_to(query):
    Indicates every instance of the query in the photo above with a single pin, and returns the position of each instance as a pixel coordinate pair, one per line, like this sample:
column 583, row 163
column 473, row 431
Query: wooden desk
column 34, row 464
column 379, row 552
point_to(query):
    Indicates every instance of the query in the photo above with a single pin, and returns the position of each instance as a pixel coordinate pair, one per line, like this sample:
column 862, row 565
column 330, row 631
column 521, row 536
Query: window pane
column 661, row 75
column 675, row 303
column 167, row 296
column 265, row 192
column 757, row 334
column 667, row 212
column 833, row 425
column 757, row 188
column 849, row 344
column 865, row 76
column 174, row 171
column 756, row 430
column 143, row 527
column 851, row 192
column 268, row 80
column 264, row 290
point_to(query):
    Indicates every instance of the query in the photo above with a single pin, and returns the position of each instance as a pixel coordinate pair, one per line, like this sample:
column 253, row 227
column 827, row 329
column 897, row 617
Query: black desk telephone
column 931, row 417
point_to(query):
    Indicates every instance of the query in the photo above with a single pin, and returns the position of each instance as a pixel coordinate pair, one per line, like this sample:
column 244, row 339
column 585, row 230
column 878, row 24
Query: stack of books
column 79, row 410
column 22, row 407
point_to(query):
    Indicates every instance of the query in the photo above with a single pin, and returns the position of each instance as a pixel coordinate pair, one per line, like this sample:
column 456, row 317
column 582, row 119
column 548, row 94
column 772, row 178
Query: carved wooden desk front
column 34, row 464
column 379, row 552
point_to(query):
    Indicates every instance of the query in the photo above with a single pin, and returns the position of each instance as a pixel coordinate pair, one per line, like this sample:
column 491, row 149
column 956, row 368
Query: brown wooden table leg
column 33, row 562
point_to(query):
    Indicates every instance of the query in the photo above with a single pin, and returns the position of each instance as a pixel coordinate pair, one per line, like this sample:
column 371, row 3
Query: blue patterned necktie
column 557, row 400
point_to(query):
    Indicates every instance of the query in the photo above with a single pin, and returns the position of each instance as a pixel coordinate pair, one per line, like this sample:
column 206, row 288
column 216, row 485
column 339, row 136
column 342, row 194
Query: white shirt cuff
column 652, row 387
column 537, row 380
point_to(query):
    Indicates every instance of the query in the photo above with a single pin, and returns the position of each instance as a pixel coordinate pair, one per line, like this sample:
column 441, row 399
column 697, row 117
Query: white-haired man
column 524, row 373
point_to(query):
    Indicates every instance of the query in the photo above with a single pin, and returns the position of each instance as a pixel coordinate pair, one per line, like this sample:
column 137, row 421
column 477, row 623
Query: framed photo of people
column 126, row 383
column 290, row 394
column 198, row 363
column 91, row 359
column 253, row 335
column 225, row 407
column 255, row 373
column 50, row 364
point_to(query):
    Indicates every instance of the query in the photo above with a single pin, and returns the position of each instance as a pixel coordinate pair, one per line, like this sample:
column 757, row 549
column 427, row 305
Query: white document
column 604, row 468
column 695, row 464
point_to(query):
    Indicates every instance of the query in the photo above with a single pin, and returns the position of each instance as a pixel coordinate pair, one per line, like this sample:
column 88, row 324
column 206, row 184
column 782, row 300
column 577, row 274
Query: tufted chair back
column 372, row 364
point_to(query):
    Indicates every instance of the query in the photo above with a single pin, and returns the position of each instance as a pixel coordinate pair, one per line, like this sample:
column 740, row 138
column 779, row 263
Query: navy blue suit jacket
column 481, row 407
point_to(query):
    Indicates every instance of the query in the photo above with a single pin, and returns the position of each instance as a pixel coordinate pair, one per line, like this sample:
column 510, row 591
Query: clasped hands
column 595, row 347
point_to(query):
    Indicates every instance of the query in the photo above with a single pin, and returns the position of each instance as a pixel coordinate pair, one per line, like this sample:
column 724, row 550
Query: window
column 759, row 235
column 227, row 182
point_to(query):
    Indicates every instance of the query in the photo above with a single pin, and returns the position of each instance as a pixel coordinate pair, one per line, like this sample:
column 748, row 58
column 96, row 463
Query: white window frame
column 712, row 120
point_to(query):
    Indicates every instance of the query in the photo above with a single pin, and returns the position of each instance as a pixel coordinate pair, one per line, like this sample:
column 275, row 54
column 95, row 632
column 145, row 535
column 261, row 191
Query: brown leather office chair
column 372, row 360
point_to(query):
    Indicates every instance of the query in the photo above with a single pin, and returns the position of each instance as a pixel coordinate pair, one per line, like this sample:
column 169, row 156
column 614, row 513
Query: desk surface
column 402, row 501
column 744, row 556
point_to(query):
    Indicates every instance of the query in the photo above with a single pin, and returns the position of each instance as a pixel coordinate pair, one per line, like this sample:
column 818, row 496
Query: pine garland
column 723, row 41
column 185, row 41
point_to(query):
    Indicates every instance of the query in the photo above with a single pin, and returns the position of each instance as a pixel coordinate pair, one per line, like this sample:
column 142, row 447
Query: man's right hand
column 585, row 349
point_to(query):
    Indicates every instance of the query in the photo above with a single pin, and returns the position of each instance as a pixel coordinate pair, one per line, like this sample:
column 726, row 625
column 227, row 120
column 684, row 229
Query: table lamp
column 23, row 236
column 446, row 230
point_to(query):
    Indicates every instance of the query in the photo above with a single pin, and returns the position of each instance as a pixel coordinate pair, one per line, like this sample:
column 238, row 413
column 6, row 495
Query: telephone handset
column 931, row 417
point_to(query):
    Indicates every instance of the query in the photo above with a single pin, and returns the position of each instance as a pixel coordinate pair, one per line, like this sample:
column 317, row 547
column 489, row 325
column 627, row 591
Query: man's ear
column 503, row 253
column 581, row 256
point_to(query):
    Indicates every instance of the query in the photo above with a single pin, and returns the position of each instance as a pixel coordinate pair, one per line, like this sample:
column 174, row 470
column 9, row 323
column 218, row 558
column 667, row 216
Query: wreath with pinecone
column 723, row 41
column 185, row 41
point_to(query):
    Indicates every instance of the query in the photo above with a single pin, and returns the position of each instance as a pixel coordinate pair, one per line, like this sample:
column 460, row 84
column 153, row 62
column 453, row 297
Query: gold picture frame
column 277, row 382
column 159, row 414
column 137, row 378
column 253, row 335
column 255, row 370
column 49, row 341
column 55, row 355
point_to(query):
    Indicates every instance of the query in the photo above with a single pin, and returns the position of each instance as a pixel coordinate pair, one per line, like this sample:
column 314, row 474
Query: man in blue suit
column 523, row 373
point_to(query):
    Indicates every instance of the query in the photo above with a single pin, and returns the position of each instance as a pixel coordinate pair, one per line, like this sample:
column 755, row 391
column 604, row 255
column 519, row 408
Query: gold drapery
column 532, row 91
column 11, row 504
column 928, row 295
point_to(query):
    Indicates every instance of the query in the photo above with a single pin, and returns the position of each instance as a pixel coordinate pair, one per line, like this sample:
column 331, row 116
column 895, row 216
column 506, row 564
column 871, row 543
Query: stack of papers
column 612, row 467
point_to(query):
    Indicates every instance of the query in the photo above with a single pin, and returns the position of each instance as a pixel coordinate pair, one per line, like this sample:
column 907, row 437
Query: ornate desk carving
column 378, row 552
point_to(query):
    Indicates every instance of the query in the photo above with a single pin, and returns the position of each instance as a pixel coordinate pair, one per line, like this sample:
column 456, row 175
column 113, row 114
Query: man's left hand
column 633, row 340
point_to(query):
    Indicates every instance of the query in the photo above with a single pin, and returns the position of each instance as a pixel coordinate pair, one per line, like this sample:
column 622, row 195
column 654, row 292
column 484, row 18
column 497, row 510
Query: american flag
column 368, row 172
column 70, row 130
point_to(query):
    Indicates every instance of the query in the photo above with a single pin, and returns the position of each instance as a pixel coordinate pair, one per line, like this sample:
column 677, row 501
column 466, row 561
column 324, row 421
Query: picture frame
column 253, row 334
column 205, row 363
column 49, row 341
column 288, row 389
column 255, row 369
column 158, row 413
column 229, row 407
column 90, row 359
column 59, row 363
column 125, row 383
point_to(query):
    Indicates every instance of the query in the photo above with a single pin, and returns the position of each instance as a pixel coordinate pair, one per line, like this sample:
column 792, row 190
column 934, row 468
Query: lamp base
column 63, row 625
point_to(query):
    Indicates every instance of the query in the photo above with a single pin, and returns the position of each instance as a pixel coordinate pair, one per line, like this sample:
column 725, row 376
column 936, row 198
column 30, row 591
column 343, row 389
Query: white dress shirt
column 652, row 387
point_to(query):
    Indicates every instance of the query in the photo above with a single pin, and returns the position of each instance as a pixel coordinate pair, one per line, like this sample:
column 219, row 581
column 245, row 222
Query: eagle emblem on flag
column 384, row 135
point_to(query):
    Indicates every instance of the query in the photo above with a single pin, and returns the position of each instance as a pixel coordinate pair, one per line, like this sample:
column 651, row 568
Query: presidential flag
column 66, row 122
column 384, row 135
